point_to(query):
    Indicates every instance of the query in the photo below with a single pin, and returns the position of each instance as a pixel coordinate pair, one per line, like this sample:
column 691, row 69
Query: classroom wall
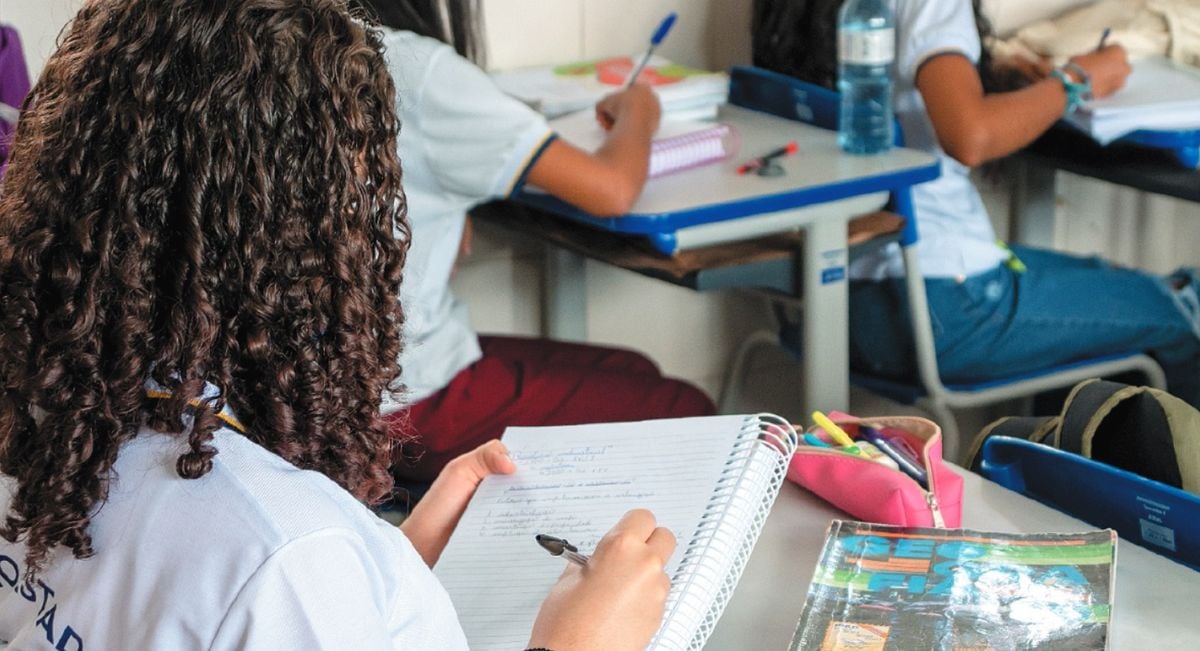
column 502, row 281
column 38, row 22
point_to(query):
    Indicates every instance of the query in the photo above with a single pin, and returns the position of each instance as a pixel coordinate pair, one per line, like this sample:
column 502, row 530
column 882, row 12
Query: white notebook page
column 574, row 483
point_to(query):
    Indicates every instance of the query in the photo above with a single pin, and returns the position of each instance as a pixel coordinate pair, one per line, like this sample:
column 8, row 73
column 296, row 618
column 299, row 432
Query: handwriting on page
column 575, row 483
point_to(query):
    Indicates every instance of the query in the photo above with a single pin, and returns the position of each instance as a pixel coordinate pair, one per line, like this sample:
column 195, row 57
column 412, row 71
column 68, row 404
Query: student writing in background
column 994, row 312
column 198, row 289
column 463, row 143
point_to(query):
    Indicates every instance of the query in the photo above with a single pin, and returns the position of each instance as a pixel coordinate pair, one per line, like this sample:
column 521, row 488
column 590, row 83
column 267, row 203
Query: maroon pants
column 535, row 382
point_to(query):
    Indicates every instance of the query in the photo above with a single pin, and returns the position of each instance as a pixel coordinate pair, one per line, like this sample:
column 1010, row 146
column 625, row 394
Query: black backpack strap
column 1034, row 429
column 1123, row 426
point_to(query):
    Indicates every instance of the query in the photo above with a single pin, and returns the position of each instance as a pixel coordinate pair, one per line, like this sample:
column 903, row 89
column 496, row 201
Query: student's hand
column 617, row 601
column 1108, row 69
column 430, row 524
column 636, row 104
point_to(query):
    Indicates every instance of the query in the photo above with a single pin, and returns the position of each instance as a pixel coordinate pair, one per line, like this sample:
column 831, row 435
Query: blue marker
column 911, row 469
column 659, row 35
column 814, row 441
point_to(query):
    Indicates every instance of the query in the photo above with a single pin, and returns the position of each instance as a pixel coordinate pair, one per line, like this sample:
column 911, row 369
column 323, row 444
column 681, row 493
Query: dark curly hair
column 198, row 192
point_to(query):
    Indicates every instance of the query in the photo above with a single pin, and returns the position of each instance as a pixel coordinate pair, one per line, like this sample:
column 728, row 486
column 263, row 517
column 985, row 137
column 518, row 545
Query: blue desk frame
column 821, row 190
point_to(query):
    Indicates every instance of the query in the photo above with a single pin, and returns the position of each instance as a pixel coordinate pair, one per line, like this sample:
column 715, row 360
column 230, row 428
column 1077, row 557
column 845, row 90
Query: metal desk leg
column 1034, row 205
column 825, row 336
column 564, row 298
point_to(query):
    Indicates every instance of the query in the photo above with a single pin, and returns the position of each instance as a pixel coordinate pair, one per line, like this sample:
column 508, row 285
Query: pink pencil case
column 872, row 492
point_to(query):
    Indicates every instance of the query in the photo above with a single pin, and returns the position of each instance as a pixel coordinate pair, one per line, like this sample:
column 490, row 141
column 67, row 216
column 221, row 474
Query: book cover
column 883, row 588
column 559, row 90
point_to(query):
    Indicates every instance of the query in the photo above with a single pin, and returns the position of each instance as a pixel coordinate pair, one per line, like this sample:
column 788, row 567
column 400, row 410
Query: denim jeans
column 1001, row 323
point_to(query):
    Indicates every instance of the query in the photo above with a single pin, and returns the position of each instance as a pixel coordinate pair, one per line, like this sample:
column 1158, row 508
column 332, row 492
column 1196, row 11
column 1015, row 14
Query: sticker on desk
column 833, row 275
column 1156, row 534
column 833, row 266
column 1153, row 523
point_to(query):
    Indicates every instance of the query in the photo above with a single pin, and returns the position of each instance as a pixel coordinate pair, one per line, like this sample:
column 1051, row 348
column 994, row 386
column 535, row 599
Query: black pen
column 1104, row 38
column 756, row 163
column 560, row 547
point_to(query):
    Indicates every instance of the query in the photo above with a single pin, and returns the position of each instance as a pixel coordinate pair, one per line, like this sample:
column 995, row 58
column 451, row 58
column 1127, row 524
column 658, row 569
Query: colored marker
column 873, row 436
column 760, row 162
column 815, row 441
column 875, row 454
column 659, row 35
column 837, row 433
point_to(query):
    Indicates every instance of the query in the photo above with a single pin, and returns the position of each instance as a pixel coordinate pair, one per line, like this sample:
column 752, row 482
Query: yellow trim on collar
column 229, row 420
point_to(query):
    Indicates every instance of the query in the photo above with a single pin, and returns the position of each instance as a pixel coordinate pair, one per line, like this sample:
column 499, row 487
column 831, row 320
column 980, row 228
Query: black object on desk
column 1134, row 166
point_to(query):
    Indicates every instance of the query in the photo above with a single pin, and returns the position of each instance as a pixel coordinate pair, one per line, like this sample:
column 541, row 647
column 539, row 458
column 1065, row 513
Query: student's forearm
column 1014, row 120
column 608, row 182
column 973, row 127
column 626, row 154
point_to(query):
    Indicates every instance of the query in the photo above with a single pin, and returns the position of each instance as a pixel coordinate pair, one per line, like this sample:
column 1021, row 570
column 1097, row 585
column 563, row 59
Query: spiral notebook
column 678, row 145
column 710, row 480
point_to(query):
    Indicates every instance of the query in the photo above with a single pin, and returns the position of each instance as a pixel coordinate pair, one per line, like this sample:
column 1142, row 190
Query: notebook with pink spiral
column 678, row 145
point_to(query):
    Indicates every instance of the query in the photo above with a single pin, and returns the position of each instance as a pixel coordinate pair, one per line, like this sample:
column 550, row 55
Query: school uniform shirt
column 462, row 142
column 256, row 554
column 956, row 237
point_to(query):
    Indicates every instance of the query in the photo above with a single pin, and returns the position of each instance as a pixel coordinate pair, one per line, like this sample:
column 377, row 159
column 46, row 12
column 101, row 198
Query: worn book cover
column 883, row 588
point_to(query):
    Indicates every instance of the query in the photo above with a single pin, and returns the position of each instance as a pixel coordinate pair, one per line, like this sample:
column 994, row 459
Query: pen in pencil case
column 836, row 433
column 915, row 471
column 560, row 547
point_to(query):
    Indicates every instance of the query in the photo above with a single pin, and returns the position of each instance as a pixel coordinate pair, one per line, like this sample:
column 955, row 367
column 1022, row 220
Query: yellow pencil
column 838, row 434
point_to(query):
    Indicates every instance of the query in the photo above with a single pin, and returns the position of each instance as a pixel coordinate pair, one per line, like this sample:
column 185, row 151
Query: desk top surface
column 1155, row 604
column 1142, row 168
column 820, row 172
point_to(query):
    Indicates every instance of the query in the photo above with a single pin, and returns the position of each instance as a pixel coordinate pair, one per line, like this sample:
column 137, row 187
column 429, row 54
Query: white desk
column 821, row 189
column 1156, row 599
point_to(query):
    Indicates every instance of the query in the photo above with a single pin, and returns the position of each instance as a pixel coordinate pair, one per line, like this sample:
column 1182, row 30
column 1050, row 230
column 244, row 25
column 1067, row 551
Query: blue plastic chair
column 798, row 100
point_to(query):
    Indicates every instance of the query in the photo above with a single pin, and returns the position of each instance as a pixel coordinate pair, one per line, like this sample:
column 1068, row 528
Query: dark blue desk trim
column 661, row 228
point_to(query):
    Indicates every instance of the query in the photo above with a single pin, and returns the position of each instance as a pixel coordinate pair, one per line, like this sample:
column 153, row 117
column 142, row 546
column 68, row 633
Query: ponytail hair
column 798, row 38
column 454, row 22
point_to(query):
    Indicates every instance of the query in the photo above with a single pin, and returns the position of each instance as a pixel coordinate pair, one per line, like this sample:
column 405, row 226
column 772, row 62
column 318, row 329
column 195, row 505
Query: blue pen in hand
column 911, row 469
column 659, row 35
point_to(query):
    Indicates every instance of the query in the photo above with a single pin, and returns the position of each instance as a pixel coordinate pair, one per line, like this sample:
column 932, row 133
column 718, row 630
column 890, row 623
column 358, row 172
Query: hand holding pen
column 616, row 600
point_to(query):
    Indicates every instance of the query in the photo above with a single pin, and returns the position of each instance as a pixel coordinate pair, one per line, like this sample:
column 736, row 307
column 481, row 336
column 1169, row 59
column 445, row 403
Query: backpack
column 1143, row 430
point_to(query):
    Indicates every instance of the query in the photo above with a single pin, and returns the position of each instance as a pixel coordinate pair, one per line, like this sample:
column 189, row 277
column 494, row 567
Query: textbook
column 684, row 92
column 710, row 480
column 878, row 586
column 678, row 144
column 1159, row 95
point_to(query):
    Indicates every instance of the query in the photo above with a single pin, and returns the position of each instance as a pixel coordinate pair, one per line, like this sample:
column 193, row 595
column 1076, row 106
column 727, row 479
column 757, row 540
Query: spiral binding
column 714, row 560
column 691, row 149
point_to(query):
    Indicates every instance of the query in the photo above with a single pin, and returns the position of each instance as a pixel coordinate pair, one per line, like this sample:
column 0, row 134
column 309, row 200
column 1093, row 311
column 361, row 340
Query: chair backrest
column 789, row 98
column 783, row 96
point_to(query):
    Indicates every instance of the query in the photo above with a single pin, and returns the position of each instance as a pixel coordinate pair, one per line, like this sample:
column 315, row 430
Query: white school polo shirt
column 256, row 554
column 462, row 142
column 956, row 236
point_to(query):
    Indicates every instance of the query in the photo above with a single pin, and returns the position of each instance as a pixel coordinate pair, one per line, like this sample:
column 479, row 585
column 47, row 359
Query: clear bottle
column 866, row 49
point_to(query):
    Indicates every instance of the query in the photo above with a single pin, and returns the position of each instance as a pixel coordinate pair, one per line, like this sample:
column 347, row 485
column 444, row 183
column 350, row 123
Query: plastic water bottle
column 866, row 49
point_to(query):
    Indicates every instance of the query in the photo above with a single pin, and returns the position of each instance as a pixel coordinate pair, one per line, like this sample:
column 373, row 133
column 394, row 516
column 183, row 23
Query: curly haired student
column 198, row 314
